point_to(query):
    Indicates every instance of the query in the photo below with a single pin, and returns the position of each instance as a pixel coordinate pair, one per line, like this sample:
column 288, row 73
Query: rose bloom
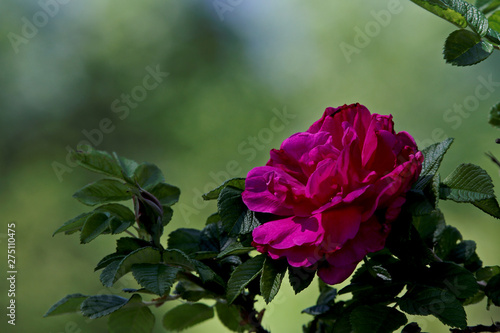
column 333, row 190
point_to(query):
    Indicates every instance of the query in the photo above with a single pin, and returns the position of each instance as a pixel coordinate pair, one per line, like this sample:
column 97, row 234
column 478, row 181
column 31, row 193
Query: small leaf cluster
column 427, row 268
column 210, row 270
column 465, row 47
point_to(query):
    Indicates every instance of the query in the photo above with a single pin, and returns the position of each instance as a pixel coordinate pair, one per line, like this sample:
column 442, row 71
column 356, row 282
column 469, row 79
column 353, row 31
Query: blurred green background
column 232, row 66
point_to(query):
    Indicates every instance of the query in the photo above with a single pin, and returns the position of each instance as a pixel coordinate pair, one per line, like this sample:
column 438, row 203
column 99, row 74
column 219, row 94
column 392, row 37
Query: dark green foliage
column 426, row 268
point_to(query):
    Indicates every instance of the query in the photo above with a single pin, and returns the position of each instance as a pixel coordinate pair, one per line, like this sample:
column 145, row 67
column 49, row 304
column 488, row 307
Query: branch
column 479, row 328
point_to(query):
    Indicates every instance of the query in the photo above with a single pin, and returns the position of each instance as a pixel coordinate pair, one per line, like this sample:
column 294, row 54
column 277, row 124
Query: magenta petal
column 289, row 232
column 271, row 190
column 335, row 274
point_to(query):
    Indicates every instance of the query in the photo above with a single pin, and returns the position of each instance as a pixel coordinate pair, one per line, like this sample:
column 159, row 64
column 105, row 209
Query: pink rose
column 334, row 190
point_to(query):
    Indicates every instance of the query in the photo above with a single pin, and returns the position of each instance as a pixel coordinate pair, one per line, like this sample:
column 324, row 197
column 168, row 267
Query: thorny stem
column 479, row 328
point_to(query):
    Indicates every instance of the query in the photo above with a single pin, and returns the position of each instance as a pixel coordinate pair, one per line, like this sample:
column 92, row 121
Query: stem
column 249, row 315
column 479, row 328
column 131, row 234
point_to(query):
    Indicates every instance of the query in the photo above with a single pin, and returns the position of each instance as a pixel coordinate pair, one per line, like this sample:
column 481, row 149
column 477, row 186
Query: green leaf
column 107, row 260
column 454, row 278
column 463, row 252
column 127, row 167
column 234, row 248
column 238, row 183
column 270, row 280
column 117, row 210
column 492, row 290
column 492, row 5
column 103, row 191
column 229, row 316
column 442, row 11
column 158, row 278
column 433, row 157
column 95, row 225
column 376, row 319
column 145, row 255
column 447, row 241
column 486, row 273
column 437, row 302
column 343, row 325
column 467, row 183
column 489, row 206
column 300, row 278
column 102, row 305
column 316, row 310
column 69, row 304
column 430, row 225
column 207, row 274
column 465, row 48
column 73, row 225
column 184, row 239
column 236, row 218
column 176, row 257
column 165, row 193
column 98, row 161
column 134, row 317
column 380, row 272
column 327, row 296
column 187, row 315
column 126, row 245
column 243, row 275
column 148, row 175
column 495, row 115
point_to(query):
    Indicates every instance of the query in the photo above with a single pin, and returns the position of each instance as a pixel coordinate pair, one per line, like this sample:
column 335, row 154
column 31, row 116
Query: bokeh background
column 233, row 67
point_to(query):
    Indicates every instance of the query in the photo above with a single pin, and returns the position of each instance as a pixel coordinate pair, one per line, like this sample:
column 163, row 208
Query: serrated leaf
column 316, row 310
column 187, row 315
column 102, row 305
column 184, row 239
column 495, row 115
column 236, row 218
column 376, row 319
column 467, row 183
column 229, row 316
column 73, row 225
column 238, row 183
column 234, row 248
column 212, row 219
column 126, row 245
column 69, row 304
column 430, row 225
column 207, row 274
column 433, row 157
column 300, row 278
column 103, row 191
column 104, row 262
column 463, row 252
column 486, row 273
column 148, row 175
column 492, row 290
column 492, row 5
column 158, row 278
column 97, row 161
column 176, row 257
column 343, row 325
column 494, row 21
column 327, row 296
column 489, row 206
column 167, row 194
column 381, row 273
column 465, row 48
column 270, row 280
column 442, row 11
column 127, row 167
column 243, row 275
column 447, row 241
column 454, row 278
column 134, row 317
column 96, row 224
column 437, row 302
column 117, row 210
column 145, row 255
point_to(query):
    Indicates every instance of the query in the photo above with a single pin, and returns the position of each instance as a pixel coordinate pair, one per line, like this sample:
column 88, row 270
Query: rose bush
column 334, row 190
